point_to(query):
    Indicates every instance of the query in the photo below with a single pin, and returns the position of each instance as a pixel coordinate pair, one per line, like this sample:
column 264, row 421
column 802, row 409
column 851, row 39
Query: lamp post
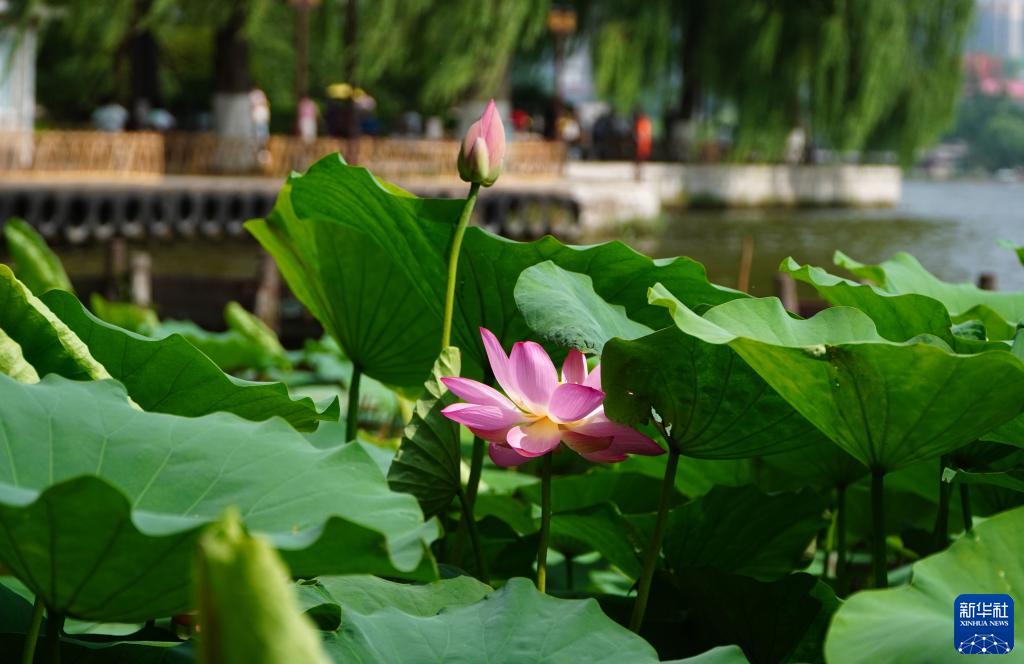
column 561, row 24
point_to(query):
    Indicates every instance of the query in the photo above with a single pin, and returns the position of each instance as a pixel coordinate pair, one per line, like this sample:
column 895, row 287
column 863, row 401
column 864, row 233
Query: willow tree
column 856, row 73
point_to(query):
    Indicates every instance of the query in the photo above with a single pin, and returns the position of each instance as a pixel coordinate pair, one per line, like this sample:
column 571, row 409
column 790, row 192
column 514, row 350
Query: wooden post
column 746, row 260
column 142, row 279
column 116, row 269
column 268, row 295
column 785, row 288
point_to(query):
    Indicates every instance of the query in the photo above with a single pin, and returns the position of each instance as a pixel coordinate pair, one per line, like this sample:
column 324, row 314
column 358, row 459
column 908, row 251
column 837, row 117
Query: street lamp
column 561, row 24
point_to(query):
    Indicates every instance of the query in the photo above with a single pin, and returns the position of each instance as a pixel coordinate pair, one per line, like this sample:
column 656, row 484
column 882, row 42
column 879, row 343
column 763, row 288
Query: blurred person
column 259, row 109
column 306, row 119
column 643, row 134
column 111, row 116
column 521, row 120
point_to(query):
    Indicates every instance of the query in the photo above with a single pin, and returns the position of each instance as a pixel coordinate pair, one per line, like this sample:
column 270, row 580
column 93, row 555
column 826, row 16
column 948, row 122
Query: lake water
column 952, row 227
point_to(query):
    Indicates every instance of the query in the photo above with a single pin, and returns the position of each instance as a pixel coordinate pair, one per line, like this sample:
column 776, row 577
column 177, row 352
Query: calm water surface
column 952, row 227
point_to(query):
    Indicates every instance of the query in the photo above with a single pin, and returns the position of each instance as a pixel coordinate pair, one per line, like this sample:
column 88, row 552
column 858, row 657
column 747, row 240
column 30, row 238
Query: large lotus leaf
column 904, row 274
column 897, row 317
column 744, row 531
column 713, row 405
column 900, row 317
column 824, row 466
column 46, row 342
column 35, row 263
column 170, row 375
column 631, row 492
column 428, row 462
column 700, row 608
column 126, row 315
column 913, row 623
column 888, row 404
column 599, row 528
column 562, row 307
column 101, row 503
column 369, row 261
column 514, row 624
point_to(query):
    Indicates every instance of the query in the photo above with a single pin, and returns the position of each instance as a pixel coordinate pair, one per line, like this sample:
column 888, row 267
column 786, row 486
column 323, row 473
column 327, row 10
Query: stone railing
column 185, row 153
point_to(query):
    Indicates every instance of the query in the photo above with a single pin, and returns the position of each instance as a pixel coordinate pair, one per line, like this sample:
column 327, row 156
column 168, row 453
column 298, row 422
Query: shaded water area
column 952, row 227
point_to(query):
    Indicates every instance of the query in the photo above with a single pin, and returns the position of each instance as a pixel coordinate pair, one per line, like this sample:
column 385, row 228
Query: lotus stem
column 453, row 264
column 352, row 423
column 668, row 484
column 940, row 534
column 54, row 626
column 468, row 501
column 28, row 652
column 842, row 569
column 878, row 551
column 469, row 523
column 545, row 522
column 476, row 467
column 965, row 506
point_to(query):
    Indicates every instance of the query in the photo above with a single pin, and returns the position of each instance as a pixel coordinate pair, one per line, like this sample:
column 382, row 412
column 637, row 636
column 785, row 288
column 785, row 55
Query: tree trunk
column 237, row 151
column 144, row 54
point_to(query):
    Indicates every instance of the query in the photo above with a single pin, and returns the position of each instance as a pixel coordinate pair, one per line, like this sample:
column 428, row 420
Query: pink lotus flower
column 540, row 410
column 483, row 149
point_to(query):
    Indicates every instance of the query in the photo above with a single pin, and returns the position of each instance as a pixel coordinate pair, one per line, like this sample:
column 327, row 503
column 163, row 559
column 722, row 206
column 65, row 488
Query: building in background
column 999, row 28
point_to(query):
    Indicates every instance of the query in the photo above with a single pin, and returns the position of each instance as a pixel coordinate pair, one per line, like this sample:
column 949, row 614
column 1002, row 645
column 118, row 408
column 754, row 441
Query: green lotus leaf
column 742, row 530
column 899, row 317
column 101, row 503
column 247, row 608
column 1008, row 479
column 126, row 315
column 710, row 402
column 514, row 624
column 46, row 342
column 34, row 262
column 713, row 404
column 719, row 655
column 256, row 332
column 913, row 623
column 170, row 375
column 821, row 466
column 428, row 463
column 699, row 608
column 366, row 594
column 12, row 361
column 904, row 274
column 888, row 404
column 369, row 262
column 562, row 307
column 228, row 349
column 599, row 528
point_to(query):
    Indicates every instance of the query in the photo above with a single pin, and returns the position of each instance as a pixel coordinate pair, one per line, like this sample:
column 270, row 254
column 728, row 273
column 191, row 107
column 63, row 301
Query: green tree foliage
column 994, row 128
column 858, row 73
column 408, row 53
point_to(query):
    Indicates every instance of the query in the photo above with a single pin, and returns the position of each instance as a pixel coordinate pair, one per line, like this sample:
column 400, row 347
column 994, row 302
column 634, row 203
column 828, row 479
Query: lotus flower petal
column 503, row 455
column 574, row 369
column 481, row 417
column 534, row 375
column 571, row 402
column 478, row 393
column 535, row 439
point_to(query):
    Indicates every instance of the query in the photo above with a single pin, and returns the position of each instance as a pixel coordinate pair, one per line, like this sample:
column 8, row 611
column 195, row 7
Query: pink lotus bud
column 483, row 149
